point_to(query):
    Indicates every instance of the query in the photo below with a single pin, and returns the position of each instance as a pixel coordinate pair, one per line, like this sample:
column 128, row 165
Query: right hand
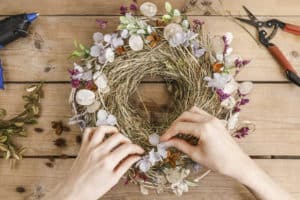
column 216, row 148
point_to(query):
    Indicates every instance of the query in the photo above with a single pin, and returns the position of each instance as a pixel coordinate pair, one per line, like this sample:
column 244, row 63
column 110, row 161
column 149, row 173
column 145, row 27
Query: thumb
column 183, row 146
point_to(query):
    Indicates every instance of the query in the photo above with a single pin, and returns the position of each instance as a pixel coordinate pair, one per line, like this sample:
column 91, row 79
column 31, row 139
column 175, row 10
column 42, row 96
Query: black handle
column 12, row 28
column 293, row 77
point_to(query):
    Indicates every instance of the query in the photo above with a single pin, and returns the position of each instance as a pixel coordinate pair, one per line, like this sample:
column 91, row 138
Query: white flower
column 228, row 51
column 111, row 120
column 228, row 37
column 102, row 115
column 172, row 29
column 149, row 29
column 185, row 23
column 104, row 118
column 100, row 81
column 78, row 68
column 233, row 120
column 154, row 139
column 113, row 40
column 168, row 7
column 218, row 81
column 85, row 97
column 177, row 39
column 125, row 34
column 148, row 9
column 228, row 103
column 162, row 150
column 179, row 188
column 154, row 157
column 144, row 164
column 98, row 37
column 245, row 87
column 231, row 87
column 136, row 43
column 109, row 55
column 93, row 107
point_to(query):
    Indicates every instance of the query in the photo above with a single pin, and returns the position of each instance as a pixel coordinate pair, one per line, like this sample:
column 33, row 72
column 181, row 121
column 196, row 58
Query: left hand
column 99, row 166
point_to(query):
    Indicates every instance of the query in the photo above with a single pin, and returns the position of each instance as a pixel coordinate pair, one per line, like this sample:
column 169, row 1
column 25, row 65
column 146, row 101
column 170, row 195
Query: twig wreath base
column 196, row 73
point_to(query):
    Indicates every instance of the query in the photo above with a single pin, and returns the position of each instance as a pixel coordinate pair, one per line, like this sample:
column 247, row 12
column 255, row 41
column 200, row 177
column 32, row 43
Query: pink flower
column 133, row 7
column 242, row 132
column 123, row 10
column 75, row 83
column 222, row 95
column 102, row 23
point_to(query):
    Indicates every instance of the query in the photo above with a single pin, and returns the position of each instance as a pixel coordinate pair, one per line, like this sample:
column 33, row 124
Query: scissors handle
column 294, row 29
column 281, row 59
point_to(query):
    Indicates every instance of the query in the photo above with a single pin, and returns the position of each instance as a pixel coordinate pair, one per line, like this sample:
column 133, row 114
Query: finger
column 124, row 151
column 183, row 146
column 113, row 141
column 126, row 164
column 87, row 134
column 100, row 132
column 183, row 128
column 198, row 110
column 189, row 116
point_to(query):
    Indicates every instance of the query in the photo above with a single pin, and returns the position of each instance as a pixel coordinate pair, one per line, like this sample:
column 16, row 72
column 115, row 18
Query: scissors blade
column 250, row 22
column 250, row 14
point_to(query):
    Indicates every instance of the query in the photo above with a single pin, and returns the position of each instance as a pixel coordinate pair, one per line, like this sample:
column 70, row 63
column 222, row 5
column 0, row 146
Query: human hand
column 216, row 148
column 99, row 166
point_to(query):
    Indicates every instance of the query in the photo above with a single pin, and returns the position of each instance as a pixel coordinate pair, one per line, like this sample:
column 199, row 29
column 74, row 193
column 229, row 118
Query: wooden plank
column 274, row 108
column 23, row 61
column 103, row 7
column 31, row 173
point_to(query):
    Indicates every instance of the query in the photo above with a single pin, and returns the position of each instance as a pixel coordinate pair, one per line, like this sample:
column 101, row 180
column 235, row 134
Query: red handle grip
column 281, row 59
column 292, row 29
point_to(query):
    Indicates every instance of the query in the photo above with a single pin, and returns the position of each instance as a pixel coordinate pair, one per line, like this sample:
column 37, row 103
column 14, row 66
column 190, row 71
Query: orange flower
column 120, row 50
column 153, row 39
column 217, row 67
column 172, row 158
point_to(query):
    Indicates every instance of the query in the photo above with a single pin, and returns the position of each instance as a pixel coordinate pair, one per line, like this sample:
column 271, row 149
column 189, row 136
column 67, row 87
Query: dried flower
column 101, row 81
column 144, row 164
column 218, row 81
column 231, row 87
column 228, row 103
column 196, row 49
column 242, row 132
column 233, row 120
column 222, row 95
column 153, row 39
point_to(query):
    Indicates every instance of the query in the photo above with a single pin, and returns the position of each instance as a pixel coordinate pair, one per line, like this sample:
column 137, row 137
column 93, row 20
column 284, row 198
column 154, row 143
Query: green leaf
column 176, row 13
column 168, row 7
column 166, row 18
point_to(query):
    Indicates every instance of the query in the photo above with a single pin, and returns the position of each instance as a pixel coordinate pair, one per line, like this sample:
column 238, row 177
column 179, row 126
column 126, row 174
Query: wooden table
column 274, row 106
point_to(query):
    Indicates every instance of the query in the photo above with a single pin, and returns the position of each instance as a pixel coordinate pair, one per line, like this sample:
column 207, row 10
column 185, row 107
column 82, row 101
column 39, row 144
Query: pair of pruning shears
column 265, row 38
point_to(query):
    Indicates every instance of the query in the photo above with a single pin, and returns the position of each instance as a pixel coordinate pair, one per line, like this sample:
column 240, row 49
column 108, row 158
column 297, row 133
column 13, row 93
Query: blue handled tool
column 12, row 28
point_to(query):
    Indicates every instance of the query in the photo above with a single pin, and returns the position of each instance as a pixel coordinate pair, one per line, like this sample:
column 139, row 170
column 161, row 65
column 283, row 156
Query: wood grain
column 23, row 61
column 274, row 108
column 103, row 7
column 31, row 173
